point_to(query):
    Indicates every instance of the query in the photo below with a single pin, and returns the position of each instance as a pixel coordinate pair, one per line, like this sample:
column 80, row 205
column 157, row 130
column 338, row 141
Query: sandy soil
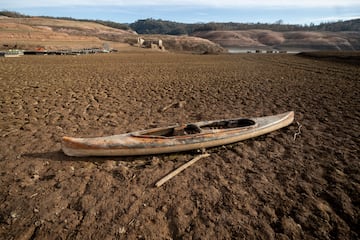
column 269, row 187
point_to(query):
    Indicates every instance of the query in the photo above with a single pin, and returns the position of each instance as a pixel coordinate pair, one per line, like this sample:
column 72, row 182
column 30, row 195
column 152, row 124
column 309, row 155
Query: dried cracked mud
column 281, row 185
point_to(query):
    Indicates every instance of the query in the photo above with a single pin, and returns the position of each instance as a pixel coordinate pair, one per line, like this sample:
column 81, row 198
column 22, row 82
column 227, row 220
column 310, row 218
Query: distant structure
column 157, row 45
column 140, row 42
column 12, row 53
column 106, row 47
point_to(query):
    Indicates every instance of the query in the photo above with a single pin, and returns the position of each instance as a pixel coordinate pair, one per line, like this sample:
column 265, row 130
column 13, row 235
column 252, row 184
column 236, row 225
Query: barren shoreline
column 269, row 187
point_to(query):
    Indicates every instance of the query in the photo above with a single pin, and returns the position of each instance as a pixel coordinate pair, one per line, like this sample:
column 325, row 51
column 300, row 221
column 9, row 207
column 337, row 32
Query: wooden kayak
column 176, row 138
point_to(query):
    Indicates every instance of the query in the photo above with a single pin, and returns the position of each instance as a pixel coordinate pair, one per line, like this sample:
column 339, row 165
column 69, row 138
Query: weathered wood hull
column 164, row 140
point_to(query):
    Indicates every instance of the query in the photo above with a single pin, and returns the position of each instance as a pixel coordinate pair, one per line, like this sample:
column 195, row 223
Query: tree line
column 158, row 26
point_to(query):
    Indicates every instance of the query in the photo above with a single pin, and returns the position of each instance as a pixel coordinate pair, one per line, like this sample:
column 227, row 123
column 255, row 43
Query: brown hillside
column 243, row 38
column 35, row 32
column 184, row 43
column 300, row 40
column 29, row 33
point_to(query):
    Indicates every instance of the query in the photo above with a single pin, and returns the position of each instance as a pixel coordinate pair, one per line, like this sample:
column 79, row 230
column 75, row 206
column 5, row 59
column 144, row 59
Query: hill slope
column 34, row 32
column 55, row 34
column 30, row 33
column 341, row 35
column 49, row 33
column 300, row 40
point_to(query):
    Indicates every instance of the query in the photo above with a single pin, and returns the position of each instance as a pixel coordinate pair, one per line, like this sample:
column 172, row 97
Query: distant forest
column 153, row 26
column 158, row 26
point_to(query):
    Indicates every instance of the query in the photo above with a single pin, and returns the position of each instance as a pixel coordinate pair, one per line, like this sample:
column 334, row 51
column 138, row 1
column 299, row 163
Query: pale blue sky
column 191, row 11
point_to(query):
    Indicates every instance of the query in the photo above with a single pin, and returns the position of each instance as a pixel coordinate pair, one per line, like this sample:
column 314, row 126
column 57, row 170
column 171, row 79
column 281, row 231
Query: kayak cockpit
column 187, row 129
column 194, row 129
column 226, row 124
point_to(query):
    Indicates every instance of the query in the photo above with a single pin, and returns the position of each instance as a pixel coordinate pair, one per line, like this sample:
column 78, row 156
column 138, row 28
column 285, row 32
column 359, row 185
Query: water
column 254, row 50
